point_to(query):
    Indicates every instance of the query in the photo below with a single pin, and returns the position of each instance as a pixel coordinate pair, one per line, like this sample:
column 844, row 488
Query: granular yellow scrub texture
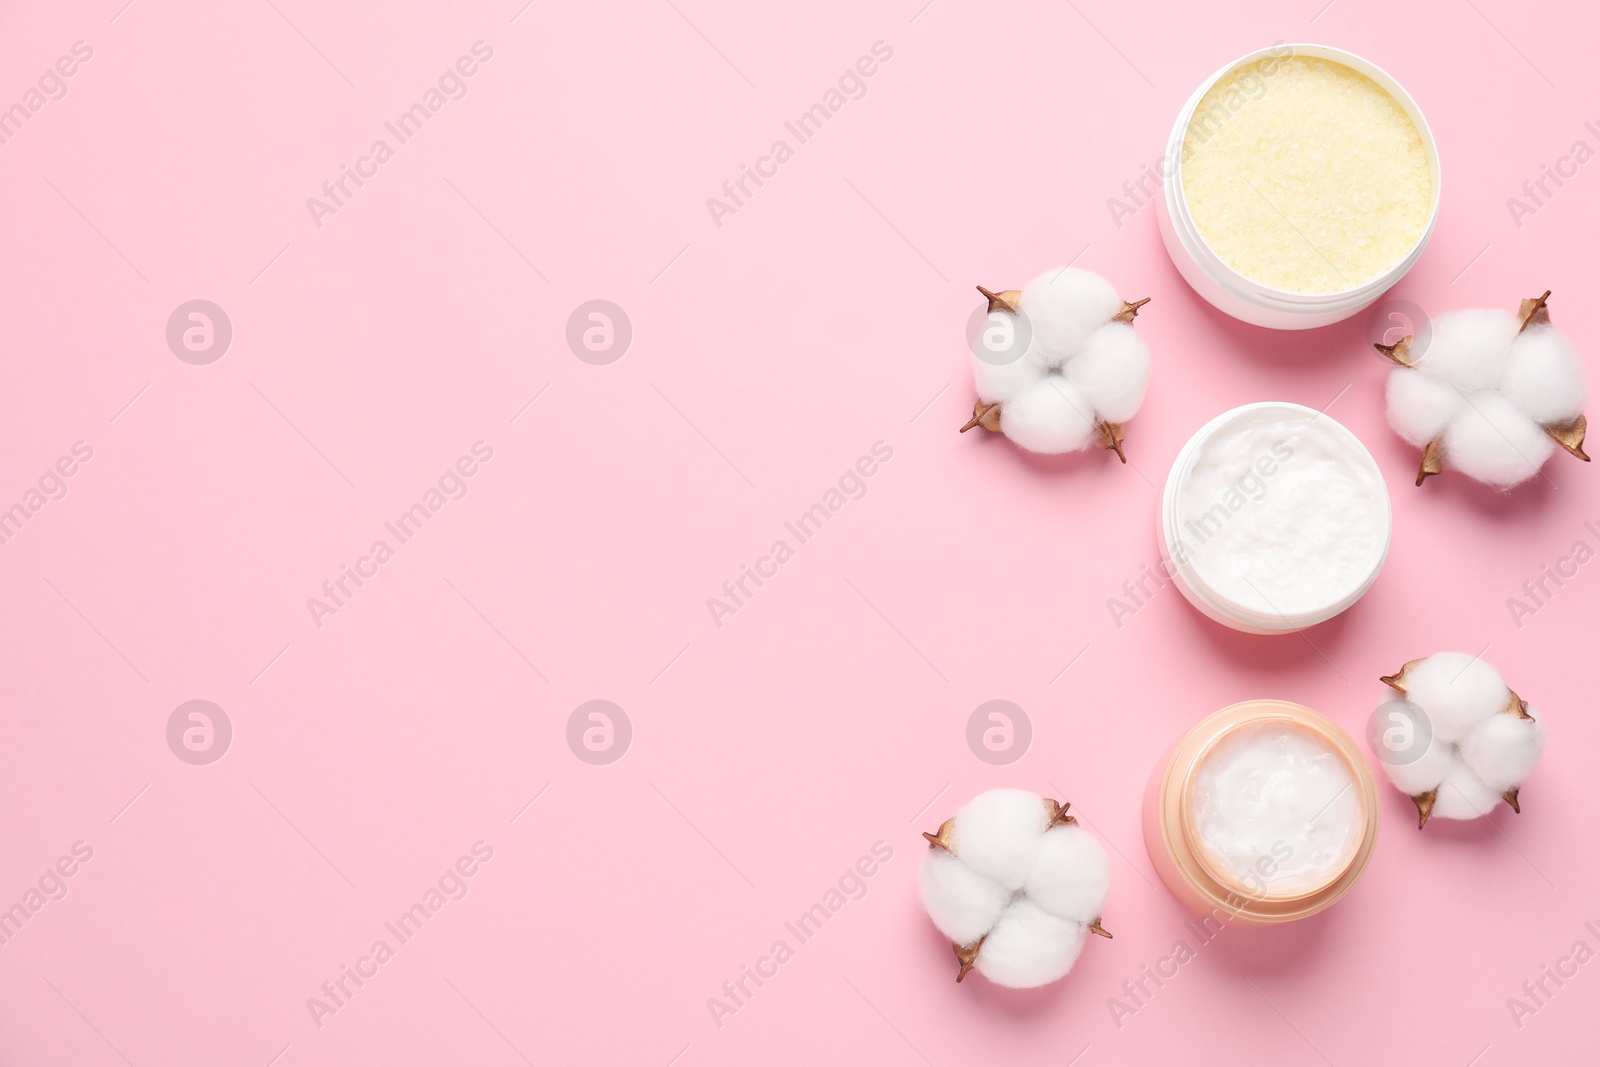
column 1305, row 175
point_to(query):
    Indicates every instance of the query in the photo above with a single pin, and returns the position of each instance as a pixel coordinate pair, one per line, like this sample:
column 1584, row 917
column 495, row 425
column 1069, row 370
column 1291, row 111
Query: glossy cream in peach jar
column 1263, row 813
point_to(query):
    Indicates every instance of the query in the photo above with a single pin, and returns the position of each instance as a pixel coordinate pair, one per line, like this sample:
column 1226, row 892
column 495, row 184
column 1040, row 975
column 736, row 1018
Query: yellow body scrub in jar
column 1301, row 183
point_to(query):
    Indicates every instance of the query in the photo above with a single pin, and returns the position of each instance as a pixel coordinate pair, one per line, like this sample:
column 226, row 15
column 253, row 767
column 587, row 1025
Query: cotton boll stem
column 1570, row 436
column 1009, row 300
column 1399, row 352
column 942, row 838
column 1425, row 803
column 1128, row 312
column 968, row 956
column 1110, row 435
column 1432, row 460
column 1535, row 311
column 1006, row 300
column 985, row 415
column 1058, row 812
column 1397, row 680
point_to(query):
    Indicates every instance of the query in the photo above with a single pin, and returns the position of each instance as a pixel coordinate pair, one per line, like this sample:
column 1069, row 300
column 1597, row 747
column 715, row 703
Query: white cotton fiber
column 1013, row 889
column 1000, row 383
column 1545, row 377
column 1071, row 875
column 1112, row 371
column 1504, row 749
column 962, row 903
column 1463, row 795
column 1413, row 772
column 1470, row 348
column 1029, row 947
column 1492, row 441
column 1482, row 747
column 1488, row 391
column 1420, row 407
column 1063, row 307
column 1456, row 691
column 1052, row 417
column 997, row 834
column 1082, row 366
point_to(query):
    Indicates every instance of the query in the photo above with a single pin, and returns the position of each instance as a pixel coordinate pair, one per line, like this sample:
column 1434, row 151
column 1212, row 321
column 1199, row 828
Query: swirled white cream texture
column 1282, row 512
column 1276, row 808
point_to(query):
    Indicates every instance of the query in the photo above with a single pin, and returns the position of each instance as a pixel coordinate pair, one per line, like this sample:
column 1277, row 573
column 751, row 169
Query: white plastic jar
column 1275, row 517
column 1250, row 299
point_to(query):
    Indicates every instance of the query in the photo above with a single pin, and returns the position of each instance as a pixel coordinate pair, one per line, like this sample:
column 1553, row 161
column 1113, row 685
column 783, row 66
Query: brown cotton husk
column 1517, row 706
column 986, row 415
column 1128, row 312
column 1005, row 300
column 1058, row 813
column 1424, row 803
column 942, row 838
column 968, row 955
column 1110, row 435
column 1424, row 807
column 1397, row 680
column 1534, row 311
column 1432, row 460
column 1569, row 435
column 1399, row 352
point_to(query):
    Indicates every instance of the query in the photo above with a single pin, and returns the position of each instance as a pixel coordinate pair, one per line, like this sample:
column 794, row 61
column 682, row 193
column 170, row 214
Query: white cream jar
column 1265, row 812
column 1300, row 183
column 1274, row 518
column 1274, row 806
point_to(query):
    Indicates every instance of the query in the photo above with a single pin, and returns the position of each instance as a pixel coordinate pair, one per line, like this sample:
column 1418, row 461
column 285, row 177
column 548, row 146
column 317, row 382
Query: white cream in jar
column 1275, row 517
column 1264, row 812
column 1275, row 809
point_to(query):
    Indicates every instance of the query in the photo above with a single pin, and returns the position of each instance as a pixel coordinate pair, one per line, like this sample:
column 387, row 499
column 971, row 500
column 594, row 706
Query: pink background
column 768, row 355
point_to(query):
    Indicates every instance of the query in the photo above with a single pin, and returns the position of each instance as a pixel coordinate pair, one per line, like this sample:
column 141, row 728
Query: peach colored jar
column 1190, row 869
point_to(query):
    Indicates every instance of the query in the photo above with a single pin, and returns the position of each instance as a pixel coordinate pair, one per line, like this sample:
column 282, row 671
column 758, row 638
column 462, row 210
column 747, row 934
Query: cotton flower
column 1017, row 885
column 1458, row 742
column 1490, row 394
column 1069, row 371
